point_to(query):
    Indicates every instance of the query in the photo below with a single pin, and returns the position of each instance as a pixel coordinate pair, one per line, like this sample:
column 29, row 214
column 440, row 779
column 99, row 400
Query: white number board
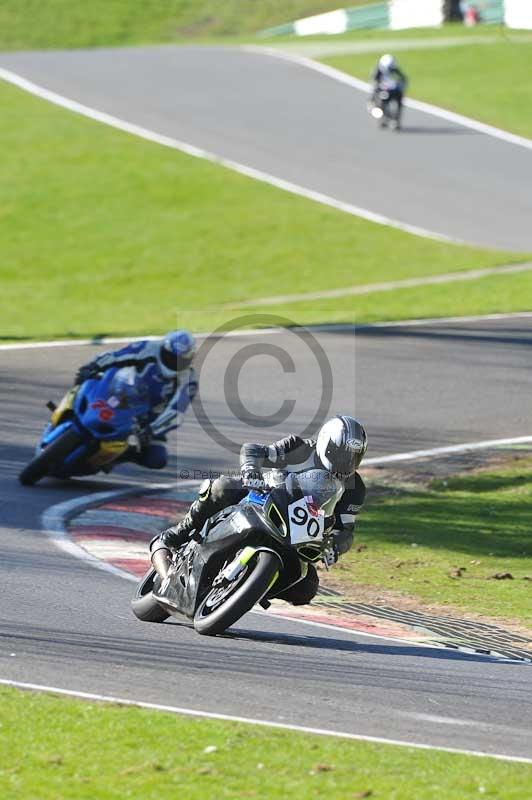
column 307, row 522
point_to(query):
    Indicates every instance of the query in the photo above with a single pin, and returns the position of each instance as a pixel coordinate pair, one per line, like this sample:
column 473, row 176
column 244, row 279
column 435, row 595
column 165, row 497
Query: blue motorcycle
column 92, row 427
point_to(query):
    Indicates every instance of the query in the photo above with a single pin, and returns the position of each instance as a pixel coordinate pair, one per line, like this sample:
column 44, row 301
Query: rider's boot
column 161, row 556
column 196, row 517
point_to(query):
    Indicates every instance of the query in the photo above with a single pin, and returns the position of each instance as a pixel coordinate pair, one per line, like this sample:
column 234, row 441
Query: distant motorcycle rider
column 339, row 449
column 165, row 371
column 387, row 72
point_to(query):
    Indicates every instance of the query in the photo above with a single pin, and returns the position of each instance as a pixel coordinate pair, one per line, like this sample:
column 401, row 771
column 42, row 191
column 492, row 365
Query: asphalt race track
column 65, row 624
column 296, row 124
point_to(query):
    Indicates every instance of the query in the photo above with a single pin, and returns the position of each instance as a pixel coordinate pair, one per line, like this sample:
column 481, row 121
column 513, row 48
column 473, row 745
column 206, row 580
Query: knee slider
column 204, row 490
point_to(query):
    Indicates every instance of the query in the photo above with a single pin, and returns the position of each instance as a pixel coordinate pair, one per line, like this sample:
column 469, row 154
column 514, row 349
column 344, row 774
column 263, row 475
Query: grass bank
column 32, row 24
column 478, row 81
column 103, row 233
column 445, row 544
column 72, row 749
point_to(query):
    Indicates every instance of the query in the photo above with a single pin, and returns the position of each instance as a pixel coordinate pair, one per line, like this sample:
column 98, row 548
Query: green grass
column 33, row 24
column 480, row 522
column 496, row 294
column 479, row 81
column 103, row 233
column 54, row 748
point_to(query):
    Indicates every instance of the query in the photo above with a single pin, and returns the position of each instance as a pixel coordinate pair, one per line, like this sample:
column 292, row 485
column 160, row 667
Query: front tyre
column 50, row 457
column 222, row 607
column 145, row 607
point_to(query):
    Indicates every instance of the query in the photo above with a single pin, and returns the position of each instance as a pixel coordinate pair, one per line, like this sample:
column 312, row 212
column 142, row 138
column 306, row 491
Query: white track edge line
column 418, row 105
column 251, row 721
column 384, row 286
column 340, row 327
column 466, row 447
column 197, row 152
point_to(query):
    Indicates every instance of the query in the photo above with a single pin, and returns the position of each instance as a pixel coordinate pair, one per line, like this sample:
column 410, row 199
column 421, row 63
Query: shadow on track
column 199, row 652
column 442, row 130
column 345, row 646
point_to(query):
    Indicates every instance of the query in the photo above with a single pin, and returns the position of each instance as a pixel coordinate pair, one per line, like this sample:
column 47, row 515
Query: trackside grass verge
column 103, row 233
column 446, row 543
column 32, row 24
column 478, row 81
column 54, row 747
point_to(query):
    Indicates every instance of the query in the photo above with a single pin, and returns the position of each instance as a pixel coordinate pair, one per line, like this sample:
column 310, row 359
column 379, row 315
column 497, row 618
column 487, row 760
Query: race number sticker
column 307, row 521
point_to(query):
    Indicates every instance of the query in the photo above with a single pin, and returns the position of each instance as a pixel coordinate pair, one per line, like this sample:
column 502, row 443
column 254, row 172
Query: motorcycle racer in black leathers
column 386, row 71
column 339, row 448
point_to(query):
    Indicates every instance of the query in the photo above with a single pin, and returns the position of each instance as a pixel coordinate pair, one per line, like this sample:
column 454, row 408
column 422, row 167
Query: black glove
column 84, row 373
column 252, row 478
column 145, row 436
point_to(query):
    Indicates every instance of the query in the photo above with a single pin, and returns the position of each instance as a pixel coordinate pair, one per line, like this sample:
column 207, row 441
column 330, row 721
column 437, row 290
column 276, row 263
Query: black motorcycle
column 246, row 554
column 386, row 106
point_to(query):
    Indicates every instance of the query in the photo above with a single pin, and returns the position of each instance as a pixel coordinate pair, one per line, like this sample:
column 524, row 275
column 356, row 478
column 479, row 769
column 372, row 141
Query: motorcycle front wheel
column 50, row 457
column 144, row 606
column 224, row 605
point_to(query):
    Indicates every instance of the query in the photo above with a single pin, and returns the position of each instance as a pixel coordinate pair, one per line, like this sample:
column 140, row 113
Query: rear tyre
column 145, row 607
column 50, row 457
column 213, row 617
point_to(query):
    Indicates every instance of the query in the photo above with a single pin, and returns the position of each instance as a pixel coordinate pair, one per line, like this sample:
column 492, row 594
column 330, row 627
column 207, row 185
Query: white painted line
column 448, row 450
column 340, row 327
column 448, row 320
column 326, row 49
column 469, row 723
column 190, row 712
column 363, row 86
column 55, row 517
column 387, row 286
column 104, row 340
column 197, row 152
column 54, row 526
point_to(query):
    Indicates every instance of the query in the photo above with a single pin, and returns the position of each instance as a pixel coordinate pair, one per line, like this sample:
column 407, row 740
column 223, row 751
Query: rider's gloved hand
column 84, row 373
column 252, row 479
column 145, row 436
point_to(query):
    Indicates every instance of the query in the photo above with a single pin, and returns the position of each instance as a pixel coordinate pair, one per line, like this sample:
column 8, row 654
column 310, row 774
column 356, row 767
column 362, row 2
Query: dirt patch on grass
column 388, row 481
column 378, row 596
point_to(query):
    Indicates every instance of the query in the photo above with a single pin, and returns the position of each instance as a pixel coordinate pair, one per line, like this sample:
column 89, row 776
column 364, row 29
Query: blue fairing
column 51, row 434
column 107, row 408
column 255, row 497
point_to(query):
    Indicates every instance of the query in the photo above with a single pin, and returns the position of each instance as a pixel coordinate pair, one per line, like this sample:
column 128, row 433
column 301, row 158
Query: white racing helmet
column 387, row 62
column 341, row 445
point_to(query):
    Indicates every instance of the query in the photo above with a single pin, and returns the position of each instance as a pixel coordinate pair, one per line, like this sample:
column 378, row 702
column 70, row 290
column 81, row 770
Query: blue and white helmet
column 176, row 352
column 341, row 445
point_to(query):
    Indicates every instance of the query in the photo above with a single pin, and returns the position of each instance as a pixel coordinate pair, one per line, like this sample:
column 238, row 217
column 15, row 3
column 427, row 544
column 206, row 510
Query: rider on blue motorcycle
column 164, row 368
column 339, row 449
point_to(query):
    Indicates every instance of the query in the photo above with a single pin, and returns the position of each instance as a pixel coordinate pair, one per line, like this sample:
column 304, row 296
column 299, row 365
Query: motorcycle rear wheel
column 51, row 456
column 262, row 571
column 144, row 606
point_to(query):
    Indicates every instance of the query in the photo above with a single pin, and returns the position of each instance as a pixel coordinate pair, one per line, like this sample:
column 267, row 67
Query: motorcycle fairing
column 103, row 421
column 66, row 404
column 199, row 562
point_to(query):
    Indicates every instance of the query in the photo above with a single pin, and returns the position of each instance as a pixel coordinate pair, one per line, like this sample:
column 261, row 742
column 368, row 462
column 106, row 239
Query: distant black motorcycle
column 246, row 554
column 387, row 103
